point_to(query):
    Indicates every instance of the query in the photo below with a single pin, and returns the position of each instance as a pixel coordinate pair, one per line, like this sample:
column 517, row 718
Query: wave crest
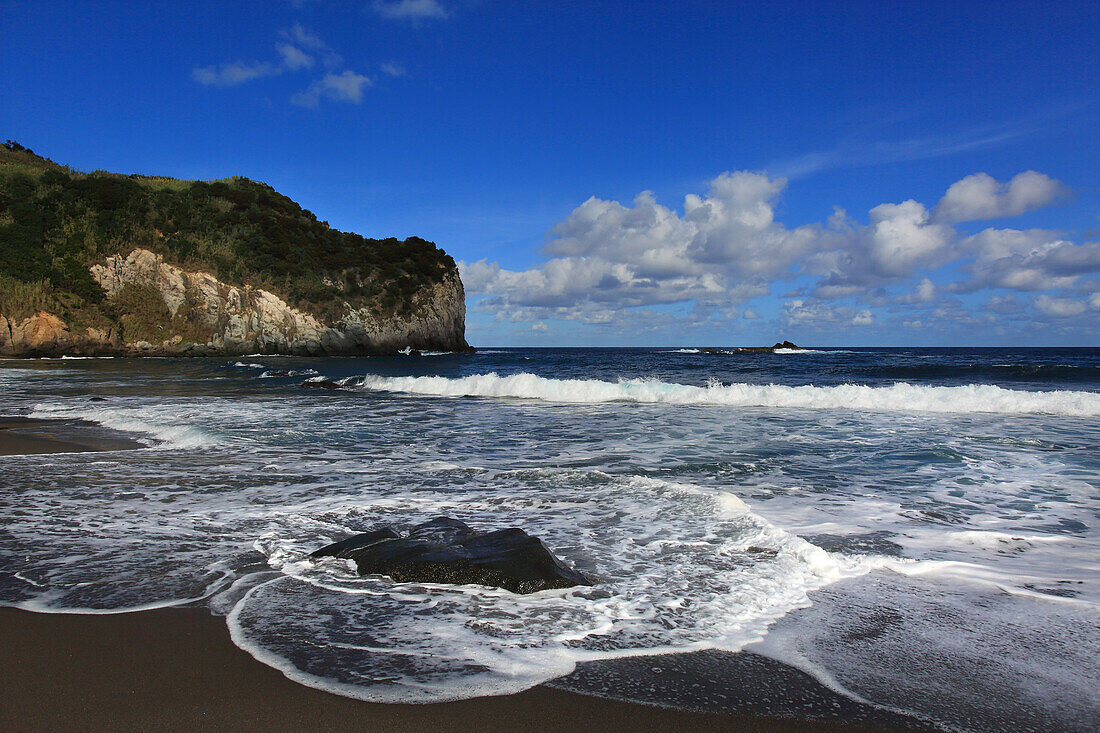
column 900, row 396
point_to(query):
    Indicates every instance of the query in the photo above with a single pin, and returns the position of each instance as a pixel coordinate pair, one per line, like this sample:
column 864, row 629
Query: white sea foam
column 159, row 429
column 273, row 373
column 900, row 396
column 678, row 568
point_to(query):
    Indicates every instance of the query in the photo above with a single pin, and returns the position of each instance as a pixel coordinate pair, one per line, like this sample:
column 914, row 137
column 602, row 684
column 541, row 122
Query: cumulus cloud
column 345, row 87
column 924, row 292
column 1029, row 260
column 980, row 196
column 1059, row 307
column 412, row 10
column 727, row 247
column 900, row 240
column 1004, row 305
column 821, row 316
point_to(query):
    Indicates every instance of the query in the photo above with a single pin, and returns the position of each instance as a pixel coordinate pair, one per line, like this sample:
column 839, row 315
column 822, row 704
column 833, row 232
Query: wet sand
column 25, row 435
column 176, row 669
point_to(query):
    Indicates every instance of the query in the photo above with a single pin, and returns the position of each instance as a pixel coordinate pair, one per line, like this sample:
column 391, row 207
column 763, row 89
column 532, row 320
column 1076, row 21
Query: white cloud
column 924, row 292
column 863, row 318
column 305, row 38
column 1004, row 305
column 820, row 316
column 1030, row 260
column 1059, row 307
column 727, row 247
column 723, row 250
column 228, row 75
column 392, row 68
column 980, row 196
column 413, row 10
column 345, row 87
column 903, row 237
column 294, row 58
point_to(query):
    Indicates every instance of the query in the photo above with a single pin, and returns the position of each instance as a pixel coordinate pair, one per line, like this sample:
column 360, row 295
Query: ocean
column 917, row 529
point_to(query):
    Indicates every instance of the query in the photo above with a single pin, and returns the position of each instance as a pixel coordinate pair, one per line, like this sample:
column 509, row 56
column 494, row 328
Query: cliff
column 130, row 265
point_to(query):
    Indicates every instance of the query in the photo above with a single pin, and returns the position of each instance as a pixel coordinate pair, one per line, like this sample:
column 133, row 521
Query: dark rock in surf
column 446, row 550
column 320, row 384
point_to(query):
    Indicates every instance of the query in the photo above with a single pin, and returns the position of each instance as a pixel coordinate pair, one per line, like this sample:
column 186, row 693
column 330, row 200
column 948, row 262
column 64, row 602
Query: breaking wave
column 900, row 396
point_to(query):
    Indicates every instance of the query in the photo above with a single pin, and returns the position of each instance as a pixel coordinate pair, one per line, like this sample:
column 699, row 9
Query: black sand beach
column 23, row 435
column 176, row 669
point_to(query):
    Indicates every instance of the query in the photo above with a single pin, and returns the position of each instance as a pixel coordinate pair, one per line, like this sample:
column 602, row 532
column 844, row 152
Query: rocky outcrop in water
column 206, row 316
column 752, row 349
column 448, row 551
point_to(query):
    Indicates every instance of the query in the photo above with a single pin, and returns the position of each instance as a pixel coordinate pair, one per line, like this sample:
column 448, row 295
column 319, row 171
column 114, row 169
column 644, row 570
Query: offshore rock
column 448, row 551
column 752, row 349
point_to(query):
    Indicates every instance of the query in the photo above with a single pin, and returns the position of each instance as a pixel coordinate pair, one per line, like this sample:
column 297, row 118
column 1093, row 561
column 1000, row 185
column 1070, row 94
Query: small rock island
column 779, row 346
column 446, row 550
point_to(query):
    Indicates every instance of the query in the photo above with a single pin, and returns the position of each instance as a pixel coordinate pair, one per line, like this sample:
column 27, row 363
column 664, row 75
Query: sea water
column 919, row 529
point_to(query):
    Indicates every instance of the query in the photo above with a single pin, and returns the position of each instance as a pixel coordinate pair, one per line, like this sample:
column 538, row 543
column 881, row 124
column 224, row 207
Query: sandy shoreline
column 176, row 669
column 28, row 435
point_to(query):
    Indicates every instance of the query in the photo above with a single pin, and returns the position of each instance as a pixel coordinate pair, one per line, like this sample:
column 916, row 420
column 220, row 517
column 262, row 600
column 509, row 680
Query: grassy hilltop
column 56, row 222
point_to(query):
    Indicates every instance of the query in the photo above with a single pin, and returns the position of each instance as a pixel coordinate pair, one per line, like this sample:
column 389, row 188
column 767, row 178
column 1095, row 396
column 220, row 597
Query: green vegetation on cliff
column 55, row 223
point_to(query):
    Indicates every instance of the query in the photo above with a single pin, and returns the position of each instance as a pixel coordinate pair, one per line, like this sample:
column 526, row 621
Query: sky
column 628, row 174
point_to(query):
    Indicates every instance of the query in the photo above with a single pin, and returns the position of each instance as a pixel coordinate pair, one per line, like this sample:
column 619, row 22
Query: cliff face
column 201, row 315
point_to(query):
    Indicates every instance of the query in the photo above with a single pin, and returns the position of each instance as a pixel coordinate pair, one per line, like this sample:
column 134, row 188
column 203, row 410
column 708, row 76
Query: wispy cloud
column 299, row 51
column 858, row 154
column 412, row 10
column 346, row 87
column 238, row 72
column 307, row 39
column 294, row 58
column 392, row 68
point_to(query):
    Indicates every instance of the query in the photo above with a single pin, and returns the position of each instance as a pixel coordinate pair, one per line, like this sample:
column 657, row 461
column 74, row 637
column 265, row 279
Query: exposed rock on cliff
column 206, row 316
column 105, row 263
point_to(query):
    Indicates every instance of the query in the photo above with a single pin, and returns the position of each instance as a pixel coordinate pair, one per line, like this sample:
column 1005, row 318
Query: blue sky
column 629, row 173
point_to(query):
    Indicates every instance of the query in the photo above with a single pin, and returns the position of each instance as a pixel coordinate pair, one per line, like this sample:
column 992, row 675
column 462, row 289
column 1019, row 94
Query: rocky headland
column 106, row 264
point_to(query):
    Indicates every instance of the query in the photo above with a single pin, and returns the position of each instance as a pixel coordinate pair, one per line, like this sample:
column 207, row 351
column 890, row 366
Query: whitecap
column 900, row 396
